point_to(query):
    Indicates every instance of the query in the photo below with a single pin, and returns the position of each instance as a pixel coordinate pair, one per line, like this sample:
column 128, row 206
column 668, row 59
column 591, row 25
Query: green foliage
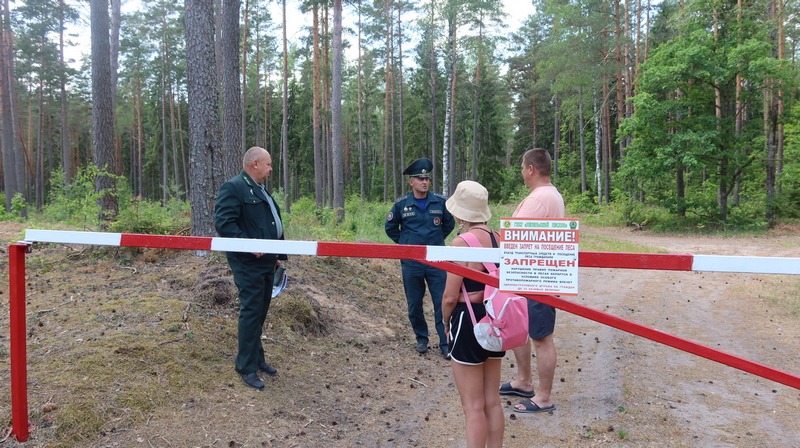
column 787, row 204
column 18, row 205
column 76, row 203
column 363, row 222
column 145, row 216
column 583, row 203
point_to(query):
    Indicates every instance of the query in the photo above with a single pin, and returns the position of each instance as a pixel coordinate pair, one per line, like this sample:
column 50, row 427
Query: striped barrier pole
column 434, row 255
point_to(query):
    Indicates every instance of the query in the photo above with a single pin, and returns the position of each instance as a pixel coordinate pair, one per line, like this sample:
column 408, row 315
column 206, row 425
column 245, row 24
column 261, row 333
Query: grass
column 780, row 291
column 595, row 243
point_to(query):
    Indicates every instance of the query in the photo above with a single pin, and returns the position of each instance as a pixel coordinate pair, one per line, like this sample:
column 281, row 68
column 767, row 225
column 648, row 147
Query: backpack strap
column 472, row 241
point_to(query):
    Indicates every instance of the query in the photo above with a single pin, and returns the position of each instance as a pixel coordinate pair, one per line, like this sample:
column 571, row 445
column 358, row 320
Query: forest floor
column 130, row 348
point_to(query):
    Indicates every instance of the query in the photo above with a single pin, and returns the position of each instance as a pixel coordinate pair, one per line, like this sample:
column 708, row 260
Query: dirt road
column 356, row 380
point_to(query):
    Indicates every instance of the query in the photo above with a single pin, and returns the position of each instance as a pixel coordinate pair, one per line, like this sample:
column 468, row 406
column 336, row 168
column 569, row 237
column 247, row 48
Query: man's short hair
column 252, row 154
column 540, row 159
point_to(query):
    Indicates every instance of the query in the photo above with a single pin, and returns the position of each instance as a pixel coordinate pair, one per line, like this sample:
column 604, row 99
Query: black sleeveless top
column 473, row 285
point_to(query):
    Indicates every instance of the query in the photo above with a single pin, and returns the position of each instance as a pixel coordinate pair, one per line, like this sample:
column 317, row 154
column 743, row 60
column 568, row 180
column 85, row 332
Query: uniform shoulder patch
column 401, row 198
column 440, row 196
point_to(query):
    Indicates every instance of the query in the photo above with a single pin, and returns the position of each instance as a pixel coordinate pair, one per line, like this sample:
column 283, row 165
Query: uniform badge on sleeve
column 389, row 216
column 437, row 222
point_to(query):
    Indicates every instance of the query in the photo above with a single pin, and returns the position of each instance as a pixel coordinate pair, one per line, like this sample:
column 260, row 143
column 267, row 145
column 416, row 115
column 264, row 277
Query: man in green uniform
column 420, row 217
column 244, row 209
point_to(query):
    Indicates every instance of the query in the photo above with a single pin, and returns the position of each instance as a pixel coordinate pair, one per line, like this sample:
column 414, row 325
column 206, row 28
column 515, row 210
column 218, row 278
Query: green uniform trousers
column 254, row 282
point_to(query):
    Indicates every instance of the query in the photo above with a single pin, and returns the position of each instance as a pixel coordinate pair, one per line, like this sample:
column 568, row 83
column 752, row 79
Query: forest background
column 678, row 113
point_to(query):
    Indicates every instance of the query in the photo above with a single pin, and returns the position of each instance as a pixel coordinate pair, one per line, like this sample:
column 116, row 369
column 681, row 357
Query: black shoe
column 252, row 380
column 445, row 352
column 422, row 347
column 268, row 369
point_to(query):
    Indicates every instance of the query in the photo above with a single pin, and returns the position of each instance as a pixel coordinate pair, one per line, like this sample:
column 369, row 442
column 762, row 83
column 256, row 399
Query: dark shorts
column 464, row 348
column 541, row 319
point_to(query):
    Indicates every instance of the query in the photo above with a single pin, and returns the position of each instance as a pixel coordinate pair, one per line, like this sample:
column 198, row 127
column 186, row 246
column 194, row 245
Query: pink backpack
column 505, row 325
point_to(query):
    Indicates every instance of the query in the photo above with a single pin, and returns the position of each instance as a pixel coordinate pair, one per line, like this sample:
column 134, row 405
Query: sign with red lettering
column 539, row 256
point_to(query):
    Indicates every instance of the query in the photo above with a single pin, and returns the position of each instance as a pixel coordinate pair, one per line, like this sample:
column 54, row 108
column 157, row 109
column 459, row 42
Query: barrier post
column 18, row 336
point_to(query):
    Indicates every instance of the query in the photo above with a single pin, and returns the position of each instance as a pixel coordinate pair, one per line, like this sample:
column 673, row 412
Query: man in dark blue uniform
column 244, row 209
column 420, row 217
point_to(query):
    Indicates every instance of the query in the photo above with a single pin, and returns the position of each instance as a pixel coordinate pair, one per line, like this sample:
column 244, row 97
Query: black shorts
column 541, row 319
column 464, row 348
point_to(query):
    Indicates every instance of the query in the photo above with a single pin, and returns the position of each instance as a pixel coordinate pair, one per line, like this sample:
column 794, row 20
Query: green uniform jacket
column 242, row 211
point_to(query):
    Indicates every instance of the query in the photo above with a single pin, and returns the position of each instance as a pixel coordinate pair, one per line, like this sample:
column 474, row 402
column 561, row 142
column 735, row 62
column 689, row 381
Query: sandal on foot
column 533, row 408
column 508, row 389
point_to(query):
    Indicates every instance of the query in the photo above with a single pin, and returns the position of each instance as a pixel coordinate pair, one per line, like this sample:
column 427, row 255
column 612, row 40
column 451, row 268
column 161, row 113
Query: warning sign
column 539, row 255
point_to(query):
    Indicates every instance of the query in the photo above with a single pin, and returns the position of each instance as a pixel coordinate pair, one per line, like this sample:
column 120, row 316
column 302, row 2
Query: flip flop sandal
column 507, row 389
column 533, row 408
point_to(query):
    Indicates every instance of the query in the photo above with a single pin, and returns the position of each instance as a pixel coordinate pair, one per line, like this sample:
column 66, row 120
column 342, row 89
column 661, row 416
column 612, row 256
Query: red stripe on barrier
column 662, row 262
column 634, row 328
column 166, row 241
column 393, row 251
column 17, row 335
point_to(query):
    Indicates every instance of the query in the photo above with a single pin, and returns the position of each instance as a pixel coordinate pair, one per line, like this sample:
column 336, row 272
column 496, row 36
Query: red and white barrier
column 438, row 256
column 708, row 263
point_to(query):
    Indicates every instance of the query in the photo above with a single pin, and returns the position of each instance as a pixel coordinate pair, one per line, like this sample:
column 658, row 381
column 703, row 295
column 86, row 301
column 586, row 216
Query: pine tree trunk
column 401, row 128
column 11, row 124
column 449, row 150
column 39, row 186
column 336, row 114
column 243, row 112
column 65, row 165
column 176, row 169
column 102, row 109
column 203, row 99
column 10, row 185
column 387, row 110
column 582, row 131
column 476, row 106
column 434, row 129
column 285, row 119
column 319, row 190
column 232, row 93
column 556, row 136
column 360, row 114
column 139, row 190
column 164, row 149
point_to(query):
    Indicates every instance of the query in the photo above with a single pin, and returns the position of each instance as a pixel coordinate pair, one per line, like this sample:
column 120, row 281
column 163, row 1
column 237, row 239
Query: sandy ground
column 362, row 384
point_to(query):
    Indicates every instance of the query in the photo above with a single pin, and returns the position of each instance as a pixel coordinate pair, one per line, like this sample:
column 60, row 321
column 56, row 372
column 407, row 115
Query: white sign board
column 539, row 256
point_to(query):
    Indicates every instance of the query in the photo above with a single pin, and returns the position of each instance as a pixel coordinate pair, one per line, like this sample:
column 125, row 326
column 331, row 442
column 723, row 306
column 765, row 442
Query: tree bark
column 65, row 166
column 336, row 114
column 386, row 105
column 10, row 185
column 243, row 111
column 102, row 109
column 401, row 128
column 285, row 119
column 556, row 136
column 232, row 93
column 319, row 170
column 476, row 105
column 433, row 70
column 360, row 113
column 203, row 99
column 582, row 131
